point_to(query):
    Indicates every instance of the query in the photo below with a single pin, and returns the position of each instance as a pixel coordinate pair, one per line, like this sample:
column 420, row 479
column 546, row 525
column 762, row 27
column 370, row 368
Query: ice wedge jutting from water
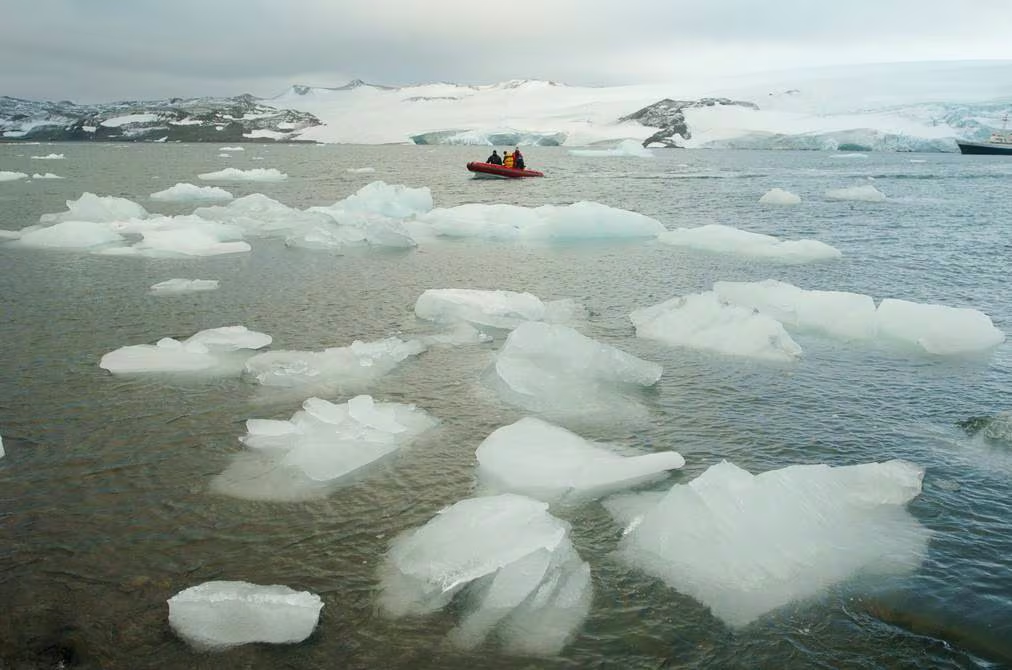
column 535, row 458
column 865, row 193
column 936, row 328
column 778, row 196
column 177, row 286
column 509, row 561
column 216, row 351
column 97, row 209
column 214, row 616
column 353, row 366
column 496, row 309
column 727, row 240
column 701, row 321
column 744, row 545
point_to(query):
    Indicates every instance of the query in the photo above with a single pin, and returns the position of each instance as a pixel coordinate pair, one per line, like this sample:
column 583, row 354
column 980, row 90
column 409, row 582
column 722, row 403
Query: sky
column 103, row 50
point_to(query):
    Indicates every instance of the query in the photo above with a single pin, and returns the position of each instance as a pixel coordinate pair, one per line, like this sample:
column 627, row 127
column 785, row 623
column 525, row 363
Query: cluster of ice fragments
column 493, row 309
column 752, row 318
column 509, row 563
column 217, row 351
column 726, row 239
column 214, row 616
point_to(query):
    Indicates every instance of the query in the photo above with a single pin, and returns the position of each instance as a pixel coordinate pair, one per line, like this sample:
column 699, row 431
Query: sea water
column 107, row 508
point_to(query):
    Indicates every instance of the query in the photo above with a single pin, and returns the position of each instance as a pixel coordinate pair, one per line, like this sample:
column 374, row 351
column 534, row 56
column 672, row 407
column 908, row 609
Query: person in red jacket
column 518, row 159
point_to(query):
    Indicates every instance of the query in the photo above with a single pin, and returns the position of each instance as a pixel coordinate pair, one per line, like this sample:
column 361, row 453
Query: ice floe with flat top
column 47, row 175
column 256, row 174
column 703, row 321
column 322, row 444
column 493, row 309
column 6, row 175
column 232, row 149
column 216, row 351
column 866, row 193
column 935, row 329
column 352, row 367
column 778, row 196
column 69, row 235
column 578, row 221
column 97, row 209
column 506, row 562
column 628, row 148
column 744, row 545
column 214, row 616
column 556, row 371
column 717, row 238
column 49, row 157
column 178, row 286
column 535, row 458
column 361, row 170
column 183, row 192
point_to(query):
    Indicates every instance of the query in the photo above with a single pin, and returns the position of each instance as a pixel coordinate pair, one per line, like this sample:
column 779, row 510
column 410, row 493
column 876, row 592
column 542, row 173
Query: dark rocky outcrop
column 669, row 117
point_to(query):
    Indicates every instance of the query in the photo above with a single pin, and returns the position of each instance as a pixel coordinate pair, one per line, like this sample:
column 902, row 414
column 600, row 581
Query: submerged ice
column 744, row 545
column 506, row 560
column 214, row 616
column 726, row 239
column 218, row 351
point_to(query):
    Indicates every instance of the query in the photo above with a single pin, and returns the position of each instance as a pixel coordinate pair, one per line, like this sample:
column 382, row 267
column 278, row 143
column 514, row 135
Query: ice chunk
column 496, row 309
column 6, row 175
column 217, row 615
column 49, row 157
column 535, row 458
column 182, row 192
column 2, row 452
column 191, row 240
column 48, row 175
column 778, row 196
column 70, row 235
column 98, row 209
column 865, row 193
column 849, row 316
column 212, row 351
column 361, row 170
column 512, row 563
column 745, row 544
column 354, row 366
column 256, row 174
column 177, row 286
column 394, row 201
column 232, row 149
column 257, row 214
column 936, row 328
column 631, row 148
column 725, row 239
column 702, row 321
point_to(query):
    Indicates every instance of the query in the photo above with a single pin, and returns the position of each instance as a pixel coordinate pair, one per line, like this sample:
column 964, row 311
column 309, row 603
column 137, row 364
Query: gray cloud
column 104, row 49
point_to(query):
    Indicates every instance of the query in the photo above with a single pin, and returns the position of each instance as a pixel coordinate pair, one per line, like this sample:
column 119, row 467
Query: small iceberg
column 778, row 196
column 256, row 174
column 492, row 309
column 216, row 351
column 728, row 240
column 178, row 286
column 183, row 192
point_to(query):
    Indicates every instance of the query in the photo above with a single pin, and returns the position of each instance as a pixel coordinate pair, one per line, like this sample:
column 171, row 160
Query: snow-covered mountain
column 899, row 107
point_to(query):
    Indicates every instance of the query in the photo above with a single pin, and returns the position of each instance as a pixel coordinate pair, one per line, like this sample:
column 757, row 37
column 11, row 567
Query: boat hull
column 492, row 171
column 984, row 148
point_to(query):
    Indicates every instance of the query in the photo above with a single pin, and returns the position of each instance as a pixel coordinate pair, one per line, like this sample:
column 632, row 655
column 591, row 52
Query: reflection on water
column 107, row 506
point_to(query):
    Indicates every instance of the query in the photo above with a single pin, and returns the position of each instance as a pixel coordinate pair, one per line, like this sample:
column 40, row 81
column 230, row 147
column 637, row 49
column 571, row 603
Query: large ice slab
column 494, row 309
column 350, row 367
column 744, row 545
column 69, row 235
column 97, row 209
column 507, row 560
column 702, row 321
column 726, row 239
column 214, row 616
column 543, row 461
column 178, row 286
column 321, row 444
column 937, row 329
column 233, row 174
column 183, row 192
column 578, row 221
column 7, row 175
column 865, row 193
column 219, row 351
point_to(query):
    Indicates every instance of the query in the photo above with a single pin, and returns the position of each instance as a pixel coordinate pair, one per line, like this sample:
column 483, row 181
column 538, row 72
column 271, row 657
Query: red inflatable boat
column 491, row 171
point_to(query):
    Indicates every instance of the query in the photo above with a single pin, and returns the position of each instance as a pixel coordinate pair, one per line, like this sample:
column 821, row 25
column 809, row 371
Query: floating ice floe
column 97, row 209
column 49, row 157
column 69, row 235
column 224, row 155
column 177, row 286
column 394, row 201
column 351, row 367
column 579, row 221
column 702, row 321
column 183, row 192
column 866, row 193
column 494, row 309
column 726, row 239
column 936, row 329
column 214, row 616
column 744, row 545
column 218, row 351
column 543, row 461
column 631, row 148
column 233, row 174
column 6, row 175
column 47, row 175
column 778, row 196
column 2, row 452
column 553, row 369
column 361, row 170
column 232, row 149
column 510, row 564
column 322, row 444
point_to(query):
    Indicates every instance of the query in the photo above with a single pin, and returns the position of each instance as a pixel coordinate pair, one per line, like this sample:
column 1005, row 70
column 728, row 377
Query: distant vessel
column 998, row 144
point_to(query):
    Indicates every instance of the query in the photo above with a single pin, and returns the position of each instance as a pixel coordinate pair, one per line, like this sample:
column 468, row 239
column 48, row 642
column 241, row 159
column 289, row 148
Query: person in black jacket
column 494, row 159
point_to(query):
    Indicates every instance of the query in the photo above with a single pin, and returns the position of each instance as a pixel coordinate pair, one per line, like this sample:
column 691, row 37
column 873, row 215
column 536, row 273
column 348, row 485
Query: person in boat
column 518, row 159
column 507, row 159
column 494, row 159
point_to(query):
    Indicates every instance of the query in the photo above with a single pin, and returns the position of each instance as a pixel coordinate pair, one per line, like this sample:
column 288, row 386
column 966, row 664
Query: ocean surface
column 105, row 505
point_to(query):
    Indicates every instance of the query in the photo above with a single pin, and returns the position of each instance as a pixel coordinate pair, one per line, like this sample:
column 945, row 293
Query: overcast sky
column 99, row 50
